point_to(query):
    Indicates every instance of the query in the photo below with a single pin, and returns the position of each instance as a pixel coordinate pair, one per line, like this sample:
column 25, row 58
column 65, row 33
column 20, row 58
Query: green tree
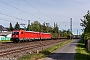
column 86, row 20
column 86, row 27
column 28, row 27
column 10, row 27
column 43, row 28
column 35, row 26
column 55, row 30
column 66, row 33
column 17, row 26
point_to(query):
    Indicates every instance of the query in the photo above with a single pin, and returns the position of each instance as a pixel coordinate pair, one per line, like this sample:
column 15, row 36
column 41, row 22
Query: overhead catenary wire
column 7, row 20
column 12, row 16
column 37, row 9
column 10, row 21
column 19, row 9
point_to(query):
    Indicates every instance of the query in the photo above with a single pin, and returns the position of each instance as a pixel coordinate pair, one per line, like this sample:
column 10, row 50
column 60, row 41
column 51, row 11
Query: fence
column 5, row 38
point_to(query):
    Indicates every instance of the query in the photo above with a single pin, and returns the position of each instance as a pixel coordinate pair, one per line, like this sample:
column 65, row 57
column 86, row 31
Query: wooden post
column 37, row 51
column 89, row 45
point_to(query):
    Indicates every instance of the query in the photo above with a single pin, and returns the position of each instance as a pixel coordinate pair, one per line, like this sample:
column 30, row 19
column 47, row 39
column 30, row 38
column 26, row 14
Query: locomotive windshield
column 15, row 33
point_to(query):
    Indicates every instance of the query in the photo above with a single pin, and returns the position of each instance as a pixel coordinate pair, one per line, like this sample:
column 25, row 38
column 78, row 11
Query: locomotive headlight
column 16, row 35
column 13, row 36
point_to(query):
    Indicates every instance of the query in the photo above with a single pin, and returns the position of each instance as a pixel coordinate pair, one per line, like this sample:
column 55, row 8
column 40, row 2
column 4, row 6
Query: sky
column 49, row 11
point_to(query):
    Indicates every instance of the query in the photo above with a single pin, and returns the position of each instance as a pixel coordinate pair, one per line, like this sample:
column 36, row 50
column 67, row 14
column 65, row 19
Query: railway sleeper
column 3, row 54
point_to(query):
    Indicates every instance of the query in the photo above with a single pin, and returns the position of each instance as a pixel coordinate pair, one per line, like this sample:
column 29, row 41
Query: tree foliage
column 17, row 26
column 86, row 26
column 86, row 22
column 55, row 30
column 10, row 27
column 43, row 27
column 35, row 26
column 28, row 27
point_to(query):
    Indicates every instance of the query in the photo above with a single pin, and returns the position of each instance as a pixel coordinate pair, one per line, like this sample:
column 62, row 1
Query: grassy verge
column 5, row 41
column 44, row 53
column 81, row 52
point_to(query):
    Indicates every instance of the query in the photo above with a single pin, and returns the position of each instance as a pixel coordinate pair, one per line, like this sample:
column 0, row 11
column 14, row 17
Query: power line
column 12, row 16
column 19, row 9
column 38, row 10
column 7, row 20
column 10, row 21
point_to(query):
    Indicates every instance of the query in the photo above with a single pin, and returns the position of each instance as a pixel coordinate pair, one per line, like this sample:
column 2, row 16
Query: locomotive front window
column 21, row 32
column 15, row 33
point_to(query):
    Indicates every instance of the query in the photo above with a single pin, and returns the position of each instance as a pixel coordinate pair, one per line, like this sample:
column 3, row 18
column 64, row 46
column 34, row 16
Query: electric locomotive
column 21, row 35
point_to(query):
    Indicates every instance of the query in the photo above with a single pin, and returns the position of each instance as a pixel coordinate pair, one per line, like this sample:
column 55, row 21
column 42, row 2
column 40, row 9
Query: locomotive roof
column 30, row 31
column 37, row 32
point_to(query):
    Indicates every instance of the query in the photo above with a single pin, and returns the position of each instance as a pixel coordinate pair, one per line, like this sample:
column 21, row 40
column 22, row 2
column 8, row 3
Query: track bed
column 17, row 50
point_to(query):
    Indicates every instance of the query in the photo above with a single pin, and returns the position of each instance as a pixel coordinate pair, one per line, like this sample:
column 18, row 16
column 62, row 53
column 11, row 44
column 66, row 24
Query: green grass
column 44, row 53
column 32, row 56
column 5, row 41
column 81, row 52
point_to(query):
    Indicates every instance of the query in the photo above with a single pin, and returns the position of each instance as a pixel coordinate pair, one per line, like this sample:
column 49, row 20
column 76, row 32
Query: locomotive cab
column 15, row 36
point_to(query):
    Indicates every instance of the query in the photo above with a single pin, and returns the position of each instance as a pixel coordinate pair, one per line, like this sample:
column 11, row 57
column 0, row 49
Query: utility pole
column 47, row 25
column 23, row 26
column 77, row 32
column 71, row 28
column 29, row 24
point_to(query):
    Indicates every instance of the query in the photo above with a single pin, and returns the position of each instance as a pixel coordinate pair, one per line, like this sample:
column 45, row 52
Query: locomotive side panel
column 21, row 35
column 46, row 36
column 32, row 35
column 36, row 35
column 28, row 35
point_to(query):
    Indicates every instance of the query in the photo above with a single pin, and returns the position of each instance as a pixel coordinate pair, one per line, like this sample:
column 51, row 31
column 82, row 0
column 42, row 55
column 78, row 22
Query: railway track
column 21, row 47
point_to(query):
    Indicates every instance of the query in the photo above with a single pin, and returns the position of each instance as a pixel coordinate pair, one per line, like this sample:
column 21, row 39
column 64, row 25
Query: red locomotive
column 21, row 35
